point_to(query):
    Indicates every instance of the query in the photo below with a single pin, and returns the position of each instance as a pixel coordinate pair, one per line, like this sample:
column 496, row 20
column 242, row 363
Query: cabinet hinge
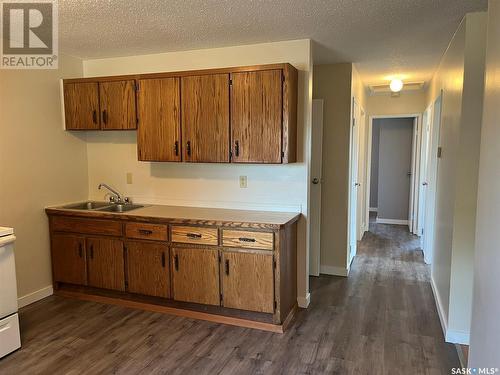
column 221, row 299
column 275, row 305
column 230, row 82
column 274, row 264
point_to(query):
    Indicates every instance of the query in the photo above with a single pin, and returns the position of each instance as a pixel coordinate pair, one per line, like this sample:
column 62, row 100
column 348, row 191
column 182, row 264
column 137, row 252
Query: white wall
column 460, row 77
column 280, row 188
column 485, row 330
column 40, row 165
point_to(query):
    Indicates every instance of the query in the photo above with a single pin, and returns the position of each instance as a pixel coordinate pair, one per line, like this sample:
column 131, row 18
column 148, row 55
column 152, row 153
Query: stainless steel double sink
column 103, row 206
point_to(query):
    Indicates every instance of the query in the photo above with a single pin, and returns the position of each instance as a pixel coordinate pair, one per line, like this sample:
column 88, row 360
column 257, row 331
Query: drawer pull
column 145, row 232
column 227, row 267
column 80, row 250
column 163, row 260
column 246, row 239
column 176, row 262
column 193, row 235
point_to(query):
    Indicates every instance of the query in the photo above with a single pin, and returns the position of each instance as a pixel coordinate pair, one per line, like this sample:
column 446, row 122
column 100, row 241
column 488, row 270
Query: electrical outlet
column 129, row 178
column 243, row 182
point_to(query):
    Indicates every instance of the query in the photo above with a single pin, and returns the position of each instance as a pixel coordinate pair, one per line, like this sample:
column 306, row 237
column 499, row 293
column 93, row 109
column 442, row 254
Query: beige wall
column 485, row 329
column 111, row 155
column 332, row 83
column 460, row 76
column 41, row 165
column 407, row 103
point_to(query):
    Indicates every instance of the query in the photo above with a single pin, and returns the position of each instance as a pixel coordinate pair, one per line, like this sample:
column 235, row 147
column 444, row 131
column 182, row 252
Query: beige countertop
column 198, row 215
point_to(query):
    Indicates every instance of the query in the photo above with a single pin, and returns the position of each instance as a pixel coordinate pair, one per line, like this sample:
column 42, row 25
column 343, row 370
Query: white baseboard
column 457, row 337
column 30, row 298
column 373, row 209
column 304, row 302
column 332, row 270
column 391, row 221
column 439, row 306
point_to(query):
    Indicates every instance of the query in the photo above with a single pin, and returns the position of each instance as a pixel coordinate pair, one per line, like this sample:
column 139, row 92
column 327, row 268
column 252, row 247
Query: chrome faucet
column 117, row 198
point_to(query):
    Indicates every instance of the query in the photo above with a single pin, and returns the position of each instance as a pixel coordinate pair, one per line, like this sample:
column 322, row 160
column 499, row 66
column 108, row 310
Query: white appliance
column 10, row 338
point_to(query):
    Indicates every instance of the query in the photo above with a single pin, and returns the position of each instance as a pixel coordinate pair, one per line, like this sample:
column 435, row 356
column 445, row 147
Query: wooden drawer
column 195, row 235
column 157, row 232
column 247, row 239
column 86, row 226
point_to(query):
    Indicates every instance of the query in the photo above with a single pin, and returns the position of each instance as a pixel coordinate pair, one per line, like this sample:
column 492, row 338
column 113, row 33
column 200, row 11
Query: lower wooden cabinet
column 195, row 275
column 148, row 268
column 69, row 259
column 106, row 267
column 248, row 281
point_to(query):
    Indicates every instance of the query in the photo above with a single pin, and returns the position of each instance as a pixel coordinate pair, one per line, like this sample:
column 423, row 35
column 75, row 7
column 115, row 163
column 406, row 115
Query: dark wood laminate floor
column 380, row 320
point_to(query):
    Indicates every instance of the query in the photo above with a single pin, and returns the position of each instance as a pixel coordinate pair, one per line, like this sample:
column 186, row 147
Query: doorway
column 394, row 169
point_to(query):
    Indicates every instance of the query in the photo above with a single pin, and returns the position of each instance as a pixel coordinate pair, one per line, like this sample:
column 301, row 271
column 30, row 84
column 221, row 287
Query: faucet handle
column 127, row 200
column 112, row 198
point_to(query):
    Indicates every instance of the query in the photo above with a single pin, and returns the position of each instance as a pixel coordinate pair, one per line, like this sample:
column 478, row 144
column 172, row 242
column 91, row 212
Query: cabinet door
column 68, row 259
column 205, row 118
column 248, row 281
column 148, row 271
column 256, row 116
column 81, row 106
column 117, row 102
column 106, row 263
column 195, row 275
column 158, row 132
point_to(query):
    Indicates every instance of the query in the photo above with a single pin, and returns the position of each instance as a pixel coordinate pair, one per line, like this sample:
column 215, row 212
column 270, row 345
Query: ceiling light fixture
column 396, row 85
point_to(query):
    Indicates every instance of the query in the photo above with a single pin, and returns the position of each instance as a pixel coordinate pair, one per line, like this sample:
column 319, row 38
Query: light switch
column 129, row 178
column 243, row 182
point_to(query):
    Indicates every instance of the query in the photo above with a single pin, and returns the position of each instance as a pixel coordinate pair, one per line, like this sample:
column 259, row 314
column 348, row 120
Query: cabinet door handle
column 176, row 262
column 193, row 235
column 246, row 239
column 227, row 267
column 163, row 260
column 91, row 251
column 80, row 250
column 237, row 148
column 105, row 117
column 145, row 232
column 188, row 148
column 94, row 116
column 176, row 148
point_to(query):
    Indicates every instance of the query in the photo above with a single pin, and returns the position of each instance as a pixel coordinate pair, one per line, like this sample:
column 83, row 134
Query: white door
column 361, row 203
column 353, row 193
column 422, row 184
column 430, row 204
column 315, row 191
column 411, row 174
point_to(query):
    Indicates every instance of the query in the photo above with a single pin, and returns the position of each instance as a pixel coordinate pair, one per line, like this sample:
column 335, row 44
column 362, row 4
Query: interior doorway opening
column 394, row 170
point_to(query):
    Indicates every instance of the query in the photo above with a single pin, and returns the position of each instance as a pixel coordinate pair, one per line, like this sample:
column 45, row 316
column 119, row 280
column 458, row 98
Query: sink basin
column 90, row 205
column 121, row 207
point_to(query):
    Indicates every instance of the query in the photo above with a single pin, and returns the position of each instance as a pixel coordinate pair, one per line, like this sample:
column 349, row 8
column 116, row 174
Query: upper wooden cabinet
column 238, row 115
column 205, row 118
column 159, row 130
column 117, row 102
column 81, row 106
column 256, row 116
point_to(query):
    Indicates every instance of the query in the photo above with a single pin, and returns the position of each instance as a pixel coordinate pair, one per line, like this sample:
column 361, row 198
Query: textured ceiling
column 384, row 37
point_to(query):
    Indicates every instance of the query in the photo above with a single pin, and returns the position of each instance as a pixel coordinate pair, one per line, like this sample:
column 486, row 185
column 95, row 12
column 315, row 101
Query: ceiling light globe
column 396, row 85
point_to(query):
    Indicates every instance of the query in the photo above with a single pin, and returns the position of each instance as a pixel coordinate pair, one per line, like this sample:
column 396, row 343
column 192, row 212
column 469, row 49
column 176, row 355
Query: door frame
column 413, row 194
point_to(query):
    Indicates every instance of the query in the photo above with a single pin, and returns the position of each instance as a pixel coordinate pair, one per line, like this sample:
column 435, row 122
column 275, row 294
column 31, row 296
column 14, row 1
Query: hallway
column 380, row 320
